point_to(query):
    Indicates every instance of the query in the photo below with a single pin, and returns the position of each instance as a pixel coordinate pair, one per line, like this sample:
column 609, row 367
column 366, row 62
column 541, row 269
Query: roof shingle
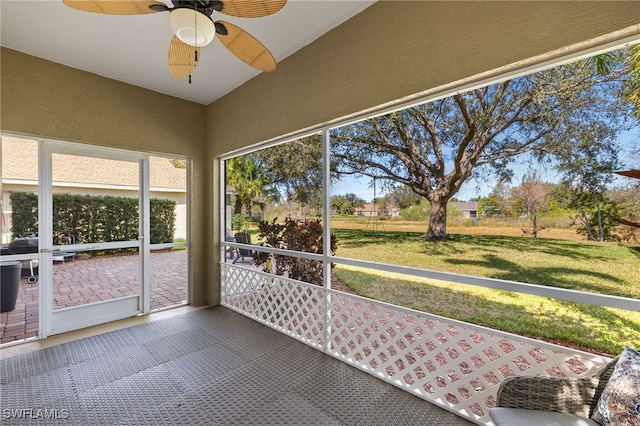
column 20, row 162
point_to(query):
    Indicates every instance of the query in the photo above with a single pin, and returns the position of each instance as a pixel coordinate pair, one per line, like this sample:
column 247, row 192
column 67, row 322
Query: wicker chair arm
column 573, row 395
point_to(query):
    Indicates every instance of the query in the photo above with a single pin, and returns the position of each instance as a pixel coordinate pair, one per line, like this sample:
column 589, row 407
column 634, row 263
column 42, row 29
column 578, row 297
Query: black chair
column 228, row 236
column 243, row 238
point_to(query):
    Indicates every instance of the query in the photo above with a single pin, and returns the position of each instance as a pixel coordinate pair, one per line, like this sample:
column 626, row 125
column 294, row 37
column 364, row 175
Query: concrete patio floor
column 89, row 280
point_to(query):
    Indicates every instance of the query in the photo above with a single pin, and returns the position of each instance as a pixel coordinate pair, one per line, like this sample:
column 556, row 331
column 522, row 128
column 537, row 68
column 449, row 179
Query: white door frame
column 72, row 318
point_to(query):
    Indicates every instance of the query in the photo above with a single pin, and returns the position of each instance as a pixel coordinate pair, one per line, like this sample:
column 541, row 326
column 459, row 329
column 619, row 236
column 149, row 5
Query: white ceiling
column 134, row 49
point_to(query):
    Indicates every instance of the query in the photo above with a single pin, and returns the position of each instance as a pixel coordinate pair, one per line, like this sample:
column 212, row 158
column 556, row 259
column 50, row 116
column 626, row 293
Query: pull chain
column 195, row 27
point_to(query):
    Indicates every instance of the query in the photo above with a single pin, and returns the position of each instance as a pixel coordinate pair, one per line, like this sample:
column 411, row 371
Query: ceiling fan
column 193, row 28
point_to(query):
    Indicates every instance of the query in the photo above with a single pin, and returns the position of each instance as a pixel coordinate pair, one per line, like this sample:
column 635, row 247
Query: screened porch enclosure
column 280, row 256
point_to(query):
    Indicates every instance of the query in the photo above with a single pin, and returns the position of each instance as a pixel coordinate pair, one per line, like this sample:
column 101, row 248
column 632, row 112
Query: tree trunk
column 584, row 217
column 535, row 225
column 248, row 208
column 438, row 221
column 599, row 212
column 237, row 207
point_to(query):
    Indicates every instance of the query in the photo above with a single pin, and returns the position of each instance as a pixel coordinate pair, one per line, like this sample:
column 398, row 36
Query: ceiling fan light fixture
column 192, row 27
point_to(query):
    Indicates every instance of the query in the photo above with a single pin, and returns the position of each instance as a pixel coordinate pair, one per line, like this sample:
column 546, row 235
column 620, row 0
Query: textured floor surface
column 211, row 366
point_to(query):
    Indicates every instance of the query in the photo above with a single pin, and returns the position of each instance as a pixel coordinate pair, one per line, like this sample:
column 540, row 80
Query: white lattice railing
column 450, row 363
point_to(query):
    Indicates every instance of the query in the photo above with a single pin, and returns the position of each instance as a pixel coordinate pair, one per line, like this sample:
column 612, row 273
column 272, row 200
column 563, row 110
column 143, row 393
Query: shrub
column 25, row 213
column 417, row 212
column 162, row 220
column 299, row 235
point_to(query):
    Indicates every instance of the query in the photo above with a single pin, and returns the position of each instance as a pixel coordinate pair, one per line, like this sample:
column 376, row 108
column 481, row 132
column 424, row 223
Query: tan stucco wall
column 391, row 50
column 42, row 99
column 395, row 49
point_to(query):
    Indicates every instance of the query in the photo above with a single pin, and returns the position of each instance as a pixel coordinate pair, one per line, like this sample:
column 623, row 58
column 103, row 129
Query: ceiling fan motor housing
column 190, row 21
column 205, row 6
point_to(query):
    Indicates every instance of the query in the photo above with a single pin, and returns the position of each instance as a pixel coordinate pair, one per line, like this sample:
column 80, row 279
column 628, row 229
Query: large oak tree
column 435, row 147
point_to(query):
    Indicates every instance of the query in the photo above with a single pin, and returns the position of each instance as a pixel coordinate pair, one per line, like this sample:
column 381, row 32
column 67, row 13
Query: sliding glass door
column 93, row 234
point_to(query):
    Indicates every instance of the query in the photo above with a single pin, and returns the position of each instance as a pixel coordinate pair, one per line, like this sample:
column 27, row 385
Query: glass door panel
column 93, row 250
column 19, row 316
column 168, row 261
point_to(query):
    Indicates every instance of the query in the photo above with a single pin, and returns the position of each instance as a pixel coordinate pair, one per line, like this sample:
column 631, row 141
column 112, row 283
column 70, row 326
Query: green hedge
column 25, row 213
column 94, row 219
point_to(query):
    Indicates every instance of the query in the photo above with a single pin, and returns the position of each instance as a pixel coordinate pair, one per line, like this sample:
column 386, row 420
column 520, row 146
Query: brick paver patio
column 88, row 280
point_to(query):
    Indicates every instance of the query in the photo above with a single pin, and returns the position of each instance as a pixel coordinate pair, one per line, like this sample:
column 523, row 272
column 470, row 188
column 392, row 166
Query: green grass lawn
column 592, row 267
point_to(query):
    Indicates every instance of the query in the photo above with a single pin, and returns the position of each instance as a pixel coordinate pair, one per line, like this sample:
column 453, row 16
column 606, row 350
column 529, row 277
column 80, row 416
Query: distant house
column 229, row 193
column 468, row 209
column 369, row 210
column 393, row 211
column 87, row 176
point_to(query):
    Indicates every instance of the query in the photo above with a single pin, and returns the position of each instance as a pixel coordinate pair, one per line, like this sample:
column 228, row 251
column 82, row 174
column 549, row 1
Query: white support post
column 326, row 234
column 223, row 210
column 145, row 232
column 326, row 207
column 45, row 239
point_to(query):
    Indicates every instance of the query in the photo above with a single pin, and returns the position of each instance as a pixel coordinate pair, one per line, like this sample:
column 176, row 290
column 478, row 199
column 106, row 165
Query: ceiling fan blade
column 116, row 7
column 251, row 8
column 246, row 47
column 183, row 58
